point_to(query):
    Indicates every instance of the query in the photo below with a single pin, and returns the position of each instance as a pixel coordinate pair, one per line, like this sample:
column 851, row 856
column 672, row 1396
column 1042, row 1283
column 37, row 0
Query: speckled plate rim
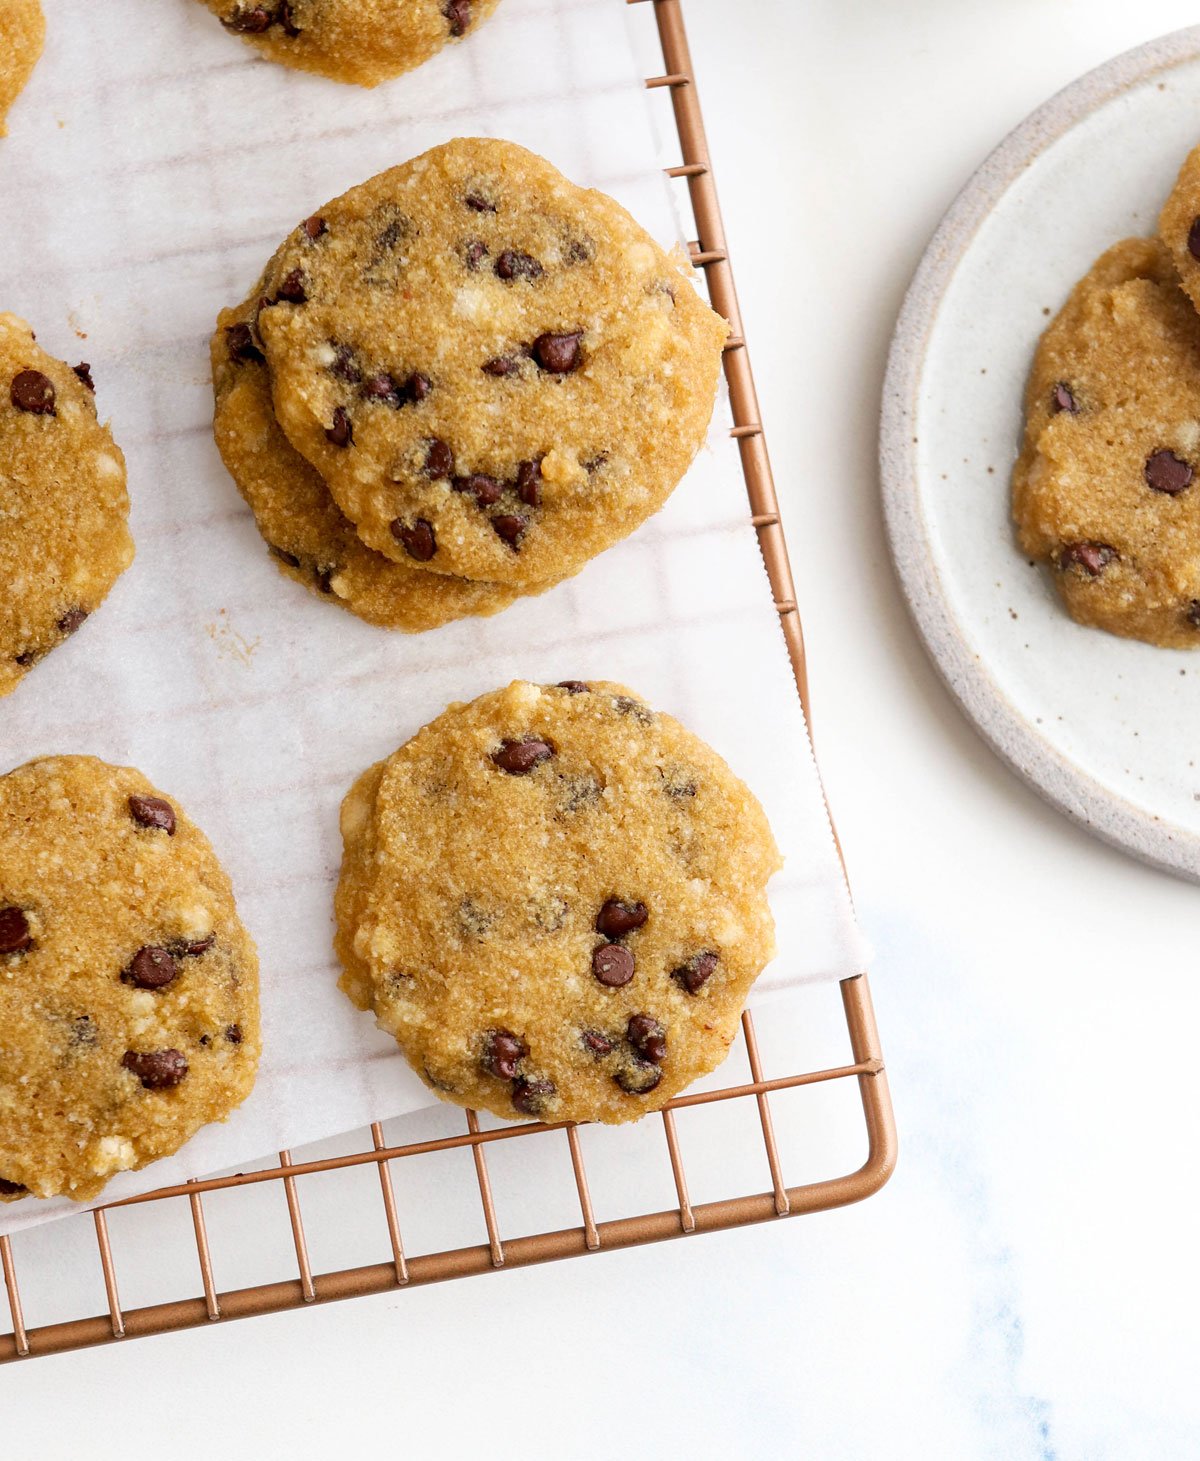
column 1098, row 808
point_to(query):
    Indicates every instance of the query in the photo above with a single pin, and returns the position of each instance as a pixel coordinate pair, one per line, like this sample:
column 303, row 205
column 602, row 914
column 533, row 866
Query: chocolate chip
column 478, row 203
column 595, row 1043
column 283, row 555
column 314, row 227
column 252, row 21
column 573, row 687
column 502, row 365
column 84, row 1035
column 439, row 460
column 158, row 1070
column 324, row 577
column 616, row 919
column 239, row 342
column 458, row 13
column 647, row 1037
column 84, row 371
column 383, row 388
column 485, row 490
column 613, row 965
column 417, row 387
column 1192, row 613
column 519, row 758
column 395, row 232
column 579, row 791
column 502, row 1051
column 475, row 253
column 191, row 948
column 72, row 620
column 678, row 783
column 418, row 538
column 1088, row 558
column 693, row 975
column 233, row 1033
column 341, row 433
column 1062, row 399
column 559, row 354
column 33, row 392
column 15, row 937
column 151, row 968
column 1194, row 239
column 344, row 364
column 1166, row 472
column 529, row 483
column 532, row 1097
column 640, row 1078
column 152, row 811
column 512, row 264
column 627, row 705
column 292, row 288
column 511, row 528
column 11, row 1189
column 287, row 19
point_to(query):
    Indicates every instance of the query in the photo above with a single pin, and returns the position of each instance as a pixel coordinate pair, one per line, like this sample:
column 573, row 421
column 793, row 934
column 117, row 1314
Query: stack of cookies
column 1105, row 489
column 554, row 898
column 460, row 381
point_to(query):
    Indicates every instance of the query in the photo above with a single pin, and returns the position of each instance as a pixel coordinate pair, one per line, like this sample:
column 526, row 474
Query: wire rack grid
column 401, row 1269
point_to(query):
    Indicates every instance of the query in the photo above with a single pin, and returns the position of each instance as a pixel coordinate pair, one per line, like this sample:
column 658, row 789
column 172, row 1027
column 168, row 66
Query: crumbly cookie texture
column 64, row 534
column 1179, row 225
column 308, row 536
column 498, row 374
column 554, row 898
column 22, row 35
column 1105, row 489
column 361, row 41
column 128, row 986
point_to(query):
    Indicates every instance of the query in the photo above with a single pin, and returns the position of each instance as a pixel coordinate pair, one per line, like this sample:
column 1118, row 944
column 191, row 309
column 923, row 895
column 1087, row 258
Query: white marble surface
column 1026, row 1286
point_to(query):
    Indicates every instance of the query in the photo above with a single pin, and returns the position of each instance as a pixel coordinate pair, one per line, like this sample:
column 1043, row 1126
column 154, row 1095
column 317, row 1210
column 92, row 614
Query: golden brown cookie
column 363, row 41
column 128, row 986
column 22, row 35
column 555, row 900
column 498, row 374
column 1105, row 488
column 1179, row 225
column 309, row 538
column 64, row 535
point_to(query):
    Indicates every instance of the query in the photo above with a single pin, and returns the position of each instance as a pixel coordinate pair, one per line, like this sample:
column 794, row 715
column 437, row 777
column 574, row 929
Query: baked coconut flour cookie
column 128, row 986
column 22, row 35
column 1105, row 489
column 555, row 900
column 363, row 41
column 309, row 538
column 64, row 535
column 1179, row 225
column 498, row 374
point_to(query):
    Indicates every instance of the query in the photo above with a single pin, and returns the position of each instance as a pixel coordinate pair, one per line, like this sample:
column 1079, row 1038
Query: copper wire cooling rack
column 400, row 1270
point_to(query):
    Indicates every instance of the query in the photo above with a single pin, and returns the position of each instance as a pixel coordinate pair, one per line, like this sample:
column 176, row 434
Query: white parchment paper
column 152, row 166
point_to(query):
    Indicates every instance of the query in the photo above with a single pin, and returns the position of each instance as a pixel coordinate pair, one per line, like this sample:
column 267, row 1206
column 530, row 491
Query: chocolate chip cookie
column 363, row 41
column 1105, row 488
column 498, row 374
column 128, row 986
column 554, row 898
column 309, row 538
column 22, row 34
column 64, row 535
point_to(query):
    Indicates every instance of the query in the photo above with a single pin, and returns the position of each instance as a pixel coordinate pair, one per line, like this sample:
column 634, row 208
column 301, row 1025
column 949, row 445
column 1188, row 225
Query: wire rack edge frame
column 709, row 254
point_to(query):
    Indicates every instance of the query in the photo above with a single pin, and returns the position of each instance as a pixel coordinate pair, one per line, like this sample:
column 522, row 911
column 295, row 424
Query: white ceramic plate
column 1107, row 729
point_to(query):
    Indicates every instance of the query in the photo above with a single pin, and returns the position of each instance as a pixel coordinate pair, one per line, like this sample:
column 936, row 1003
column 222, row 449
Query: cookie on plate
column 22, row 35
column 498, row 374
column 309, row 538
column 1179, row 225
column 128, row 986
column 1105, row 489
column 64, row 534
column 554, row 898
column 363, row 41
